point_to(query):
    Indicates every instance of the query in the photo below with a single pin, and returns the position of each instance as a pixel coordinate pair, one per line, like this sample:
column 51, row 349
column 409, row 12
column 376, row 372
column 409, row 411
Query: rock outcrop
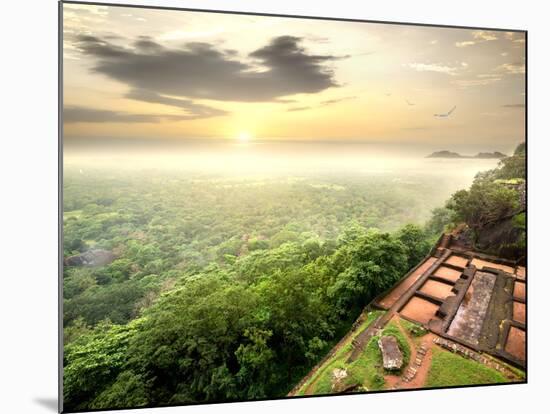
column 338, row 377
column 391, row 354
column 96, row 257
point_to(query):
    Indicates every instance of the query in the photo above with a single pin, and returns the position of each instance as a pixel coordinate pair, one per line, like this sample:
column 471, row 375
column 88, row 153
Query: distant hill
column 495, row 154
column 481, row 155
column 445, row 154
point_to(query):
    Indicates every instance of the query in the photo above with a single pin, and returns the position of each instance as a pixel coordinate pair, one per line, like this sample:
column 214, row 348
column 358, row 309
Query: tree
column 77, row 281
column 129, row 390
column 485, row 203
column 512, row 167
column 440, row 219
column 256, row 359
column 295, row 313
column 115, row 302
column 186, row 347
column 224, row 313
column 257, row 244
column 369, row 265
column 93, row 362
column 520, row 149
column 75, row 330
column 415, row 242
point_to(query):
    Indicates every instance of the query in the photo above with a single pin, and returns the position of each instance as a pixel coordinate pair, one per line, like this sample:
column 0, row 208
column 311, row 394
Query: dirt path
column 397, row 382
column 363, row 338
column 314, row 372
column 312, row 384
column 321, row 364
column 309, row 389
column 422, row 373
column 394, row 381
column 412, row 345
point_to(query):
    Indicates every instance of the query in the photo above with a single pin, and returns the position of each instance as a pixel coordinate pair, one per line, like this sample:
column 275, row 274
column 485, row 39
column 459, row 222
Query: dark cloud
column 192, row 109
column 200, row 71
column 146, row 44
column 100, row 48
column 322, row 103
column 518, row 105
column 74, row 114
column 299, row 108
column 338, row 100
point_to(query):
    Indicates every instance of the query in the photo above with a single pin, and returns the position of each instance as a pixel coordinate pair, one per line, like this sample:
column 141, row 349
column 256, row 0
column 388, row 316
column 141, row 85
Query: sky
column 155, row 75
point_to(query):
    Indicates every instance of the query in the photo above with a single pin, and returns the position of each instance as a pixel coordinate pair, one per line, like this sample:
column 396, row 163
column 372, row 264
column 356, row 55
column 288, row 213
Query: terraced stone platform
column 468, row 320
column 470, row 303
column 471, row 298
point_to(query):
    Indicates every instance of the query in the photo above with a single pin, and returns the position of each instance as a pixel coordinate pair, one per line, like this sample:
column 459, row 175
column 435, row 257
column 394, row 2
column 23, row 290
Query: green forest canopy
column 227, row 290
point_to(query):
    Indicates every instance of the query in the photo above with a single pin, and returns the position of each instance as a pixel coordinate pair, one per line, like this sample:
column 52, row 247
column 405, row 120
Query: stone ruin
column 94, row 257
column 338, row 377
column 391, row 354
column 474, row 299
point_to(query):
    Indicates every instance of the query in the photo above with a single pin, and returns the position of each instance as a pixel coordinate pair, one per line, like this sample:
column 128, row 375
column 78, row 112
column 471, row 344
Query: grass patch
column 511, row 181
column 74, row 214
column 371, row 317
column 413, row 329
column 322, row 379
column 367, row 369
column 392, row 329
column 450, row 369
column 323, row 384
column 518, row 372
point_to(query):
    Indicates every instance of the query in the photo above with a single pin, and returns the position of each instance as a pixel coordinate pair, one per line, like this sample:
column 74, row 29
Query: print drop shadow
column 49, row 403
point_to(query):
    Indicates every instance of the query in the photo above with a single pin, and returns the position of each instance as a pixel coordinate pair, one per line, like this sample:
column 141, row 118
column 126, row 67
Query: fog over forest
column 252, row 159
column 238, row 188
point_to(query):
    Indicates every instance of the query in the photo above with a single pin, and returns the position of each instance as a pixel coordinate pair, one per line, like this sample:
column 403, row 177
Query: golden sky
column 148, row 74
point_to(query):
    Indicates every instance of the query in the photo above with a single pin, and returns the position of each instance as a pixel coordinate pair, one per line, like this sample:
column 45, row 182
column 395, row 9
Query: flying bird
column 409, row 103
column 445, row 115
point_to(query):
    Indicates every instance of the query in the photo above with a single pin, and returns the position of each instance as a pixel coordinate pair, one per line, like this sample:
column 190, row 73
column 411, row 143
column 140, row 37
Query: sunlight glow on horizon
column 357, row 82
column 244, row 136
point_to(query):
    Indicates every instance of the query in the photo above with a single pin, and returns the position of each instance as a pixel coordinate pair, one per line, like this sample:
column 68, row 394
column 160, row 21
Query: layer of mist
column 267, row 159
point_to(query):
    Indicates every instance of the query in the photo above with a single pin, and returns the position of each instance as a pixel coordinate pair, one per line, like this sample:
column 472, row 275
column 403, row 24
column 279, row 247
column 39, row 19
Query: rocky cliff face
column 95, row 257
column 493, row 210
column 506, row 237
column 503, row 239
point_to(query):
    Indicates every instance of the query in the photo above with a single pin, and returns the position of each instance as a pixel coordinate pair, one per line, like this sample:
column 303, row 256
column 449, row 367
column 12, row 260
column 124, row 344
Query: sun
column 244, row 136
